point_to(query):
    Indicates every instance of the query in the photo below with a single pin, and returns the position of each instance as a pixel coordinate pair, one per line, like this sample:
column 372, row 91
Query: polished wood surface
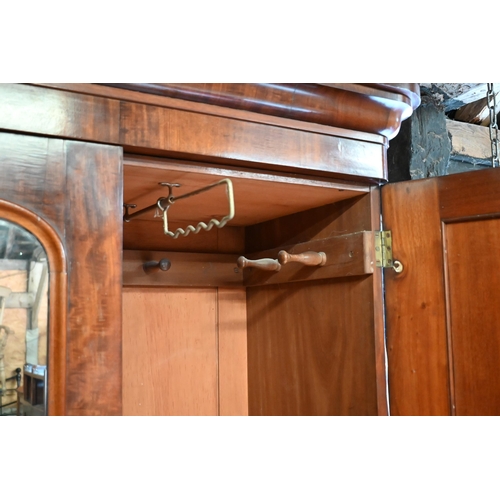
column 170, row 352
column 210, row 109
column 297, row 182
column 56, row 393
column 76, row 189
column 258, row 196
column 164, row 130
column 261, row 264
column 344, row 256
column 433, row 355
column 469, row 195
column 185, row 351
column 328, row 221
column 149, row 236
column 415, row 302
column 311, row 349
column 472, row 259
column 34, row 176
column 307, row 258
column 187, row 269
column 311, row 344
column 233, row 376
column 384, row 107
column 183, row 135
column 53, row 113
column 94, row 242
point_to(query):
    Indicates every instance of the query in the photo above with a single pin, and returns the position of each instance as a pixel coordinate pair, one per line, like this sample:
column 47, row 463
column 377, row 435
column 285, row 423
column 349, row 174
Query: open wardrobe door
column 442, row 312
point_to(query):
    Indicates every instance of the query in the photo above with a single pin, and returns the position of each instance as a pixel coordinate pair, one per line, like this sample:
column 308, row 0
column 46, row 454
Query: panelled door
column 443, row 309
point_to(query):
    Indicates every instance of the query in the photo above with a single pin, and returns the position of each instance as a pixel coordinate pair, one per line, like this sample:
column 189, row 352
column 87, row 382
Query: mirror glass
column 23, row 322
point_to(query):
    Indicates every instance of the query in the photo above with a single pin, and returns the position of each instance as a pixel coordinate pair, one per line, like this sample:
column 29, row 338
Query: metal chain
column 492, row 108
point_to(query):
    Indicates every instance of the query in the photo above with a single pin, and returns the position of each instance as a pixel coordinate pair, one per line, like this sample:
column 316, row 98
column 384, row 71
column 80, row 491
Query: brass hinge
column 383, row 249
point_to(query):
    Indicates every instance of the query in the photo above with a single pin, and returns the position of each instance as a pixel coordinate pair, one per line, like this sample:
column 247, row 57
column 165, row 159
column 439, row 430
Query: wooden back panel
column 313, row 347
column 184, row 351
column 170, row 352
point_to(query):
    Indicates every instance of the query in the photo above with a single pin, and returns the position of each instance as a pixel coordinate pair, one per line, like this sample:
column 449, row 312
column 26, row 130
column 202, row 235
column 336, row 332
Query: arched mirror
column 24, row 295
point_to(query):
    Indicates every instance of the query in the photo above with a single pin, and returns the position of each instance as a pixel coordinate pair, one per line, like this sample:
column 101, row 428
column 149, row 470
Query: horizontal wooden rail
column 187, row 269
column 346, row 255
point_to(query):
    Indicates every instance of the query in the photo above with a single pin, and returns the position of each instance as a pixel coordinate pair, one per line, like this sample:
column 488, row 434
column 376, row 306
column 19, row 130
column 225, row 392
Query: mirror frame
column 57, row 310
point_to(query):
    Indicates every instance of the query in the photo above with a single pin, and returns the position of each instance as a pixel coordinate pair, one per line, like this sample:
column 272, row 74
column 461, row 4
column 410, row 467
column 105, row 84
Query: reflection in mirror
column 23, row 322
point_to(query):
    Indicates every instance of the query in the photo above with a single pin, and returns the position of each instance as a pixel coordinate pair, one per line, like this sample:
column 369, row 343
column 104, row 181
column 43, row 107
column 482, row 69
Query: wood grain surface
column 415, row 302
column 311, row 349
column 51, row 112
column 211, row 109
column 187, row 269
column 94, row 242
column 34, row 176
column 219, row 139
column 69, row 195
column 257, row 197
column 473, row 258
column 328, row 104
column 311, row 344
column 328, row 221
column 349, row 255
column 325, row 358
column 170, row 352
column 442, row 309
column 233, row 375
column 178, row 133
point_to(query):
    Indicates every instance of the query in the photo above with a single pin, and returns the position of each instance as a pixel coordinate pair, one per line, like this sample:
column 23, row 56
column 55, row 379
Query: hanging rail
column 165, row 202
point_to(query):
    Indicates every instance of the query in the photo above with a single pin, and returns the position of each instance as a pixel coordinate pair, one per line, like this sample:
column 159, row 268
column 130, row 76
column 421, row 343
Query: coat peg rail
column 335, row 257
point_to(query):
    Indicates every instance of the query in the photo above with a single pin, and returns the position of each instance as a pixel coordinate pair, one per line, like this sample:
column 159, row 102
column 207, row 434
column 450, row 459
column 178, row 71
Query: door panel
column 75, row 190
column 473, row 258
column 415, row 302
column 441, row 311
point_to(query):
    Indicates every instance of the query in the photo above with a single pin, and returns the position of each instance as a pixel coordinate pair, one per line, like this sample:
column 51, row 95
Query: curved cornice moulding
column 377, row 108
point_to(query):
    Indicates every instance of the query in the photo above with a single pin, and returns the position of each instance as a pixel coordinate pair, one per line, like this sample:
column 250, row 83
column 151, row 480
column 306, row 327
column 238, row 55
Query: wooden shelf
column 259, row 196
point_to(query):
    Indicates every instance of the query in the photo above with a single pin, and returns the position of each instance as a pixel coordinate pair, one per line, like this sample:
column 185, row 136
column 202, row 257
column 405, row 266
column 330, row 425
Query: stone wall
column 423, row 148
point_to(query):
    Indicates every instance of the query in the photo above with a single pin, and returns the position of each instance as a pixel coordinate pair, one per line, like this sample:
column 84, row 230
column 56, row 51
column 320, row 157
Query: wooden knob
column 264, row 264
column 153, row 266
column 306, row 258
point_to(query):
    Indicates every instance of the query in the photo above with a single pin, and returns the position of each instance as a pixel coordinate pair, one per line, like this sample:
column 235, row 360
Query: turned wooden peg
column 153, row 266
column 264, row 264
column 306, row 258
